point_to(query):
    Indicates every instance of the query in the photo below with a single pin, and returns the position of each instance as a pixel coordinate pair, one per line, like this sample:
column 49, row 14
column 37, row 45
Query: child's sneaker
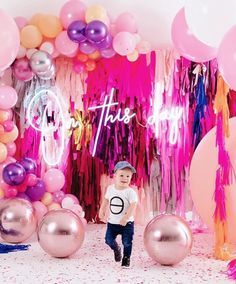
column 125, row 262
column 117, row 254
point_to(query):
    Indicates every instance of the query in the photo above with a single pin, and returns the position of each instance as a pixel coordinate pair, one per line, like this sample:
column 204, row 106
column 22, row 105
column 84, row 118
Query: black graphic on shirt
column 116, row 205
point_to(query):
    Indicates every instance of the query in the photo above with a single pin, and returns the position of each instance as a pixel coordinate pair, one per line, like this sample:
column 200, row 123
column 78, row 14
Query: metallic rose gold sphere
column 168, row 239
column 17, row 220
column 60, row 233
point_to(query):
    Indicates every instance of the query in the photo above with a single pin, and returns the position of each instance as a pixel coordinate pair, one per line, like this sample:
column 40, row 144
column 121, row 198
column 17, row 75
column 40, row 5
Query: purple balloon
column 14, row 174
column 76, row 31
column 105, row 43
column 23, row 196
column 29, row 165
column 96, row 31
column 87, row 47
column 108, row 53
column 36, row 191
column 58, row 196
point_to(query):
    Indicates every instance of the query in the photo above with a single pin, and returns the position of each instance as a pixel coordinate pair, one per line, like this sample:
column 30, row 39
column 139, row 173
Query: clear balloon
column 167, row 239
column 17, row 220
column 187, row 44
column 58, row 196
column 96, row 31
column 60, row 233
column 10, row 40
column 108, row 53
column 14, row 174
column 76, row 31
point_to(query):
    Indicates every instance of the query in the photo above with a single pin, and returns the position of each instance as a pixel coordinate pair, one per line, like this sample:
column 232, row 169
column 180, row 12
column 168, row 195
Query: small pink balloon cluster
column 83, row 33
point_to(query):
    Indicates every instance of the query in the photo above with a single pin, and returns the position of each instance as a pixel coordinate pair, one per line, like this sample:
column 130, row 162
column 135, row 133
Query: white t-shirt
column 119, row 202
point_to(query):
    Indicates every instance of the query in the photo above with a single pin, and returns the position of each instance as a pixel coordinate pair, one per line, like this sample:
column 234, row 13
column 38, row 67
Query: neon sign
column 173, row 115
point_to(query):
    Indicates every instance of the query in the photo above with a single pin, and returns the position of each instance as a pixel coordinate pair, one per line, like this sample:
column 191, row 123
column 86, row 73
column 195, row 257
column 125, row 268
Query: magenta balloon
column 29, row 165
column 227, row 59
column 14, row 174
column 96, row 31
column 87, row 47
column 105, row 43
column 76, row 31
column 10, row 40
column 187, row 44
column 21, row 70
column 36, row 191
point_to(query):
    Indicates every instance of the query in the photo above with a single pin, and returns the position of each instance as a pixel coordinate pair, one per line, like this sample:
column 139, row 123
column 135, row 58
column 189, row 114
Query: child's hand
column 123, row 221
column 101, row 215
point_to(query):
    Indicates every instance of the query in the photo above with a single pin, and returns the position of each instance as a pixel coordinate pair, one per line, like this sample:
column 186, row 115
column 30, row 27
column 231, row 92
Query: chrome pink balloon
column 167, row 239
column 17, row 220
column 60, row 233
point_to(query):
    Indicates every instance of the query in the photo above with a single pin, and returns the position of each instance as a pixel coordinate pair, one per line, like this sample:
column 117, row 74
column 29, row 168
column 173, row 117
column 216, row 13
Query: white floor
column 93, row 263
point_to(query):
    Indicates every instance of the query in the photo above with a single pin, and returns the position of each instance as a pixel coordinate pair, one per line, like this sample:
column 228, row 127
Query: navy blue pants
column 126, row 232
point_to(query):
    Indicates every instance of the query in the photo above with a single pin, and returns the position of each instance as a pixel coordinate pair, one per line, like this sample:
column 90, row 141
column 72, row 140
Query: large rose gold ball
column 168, row 239
column 60, row 233
column 17, row 220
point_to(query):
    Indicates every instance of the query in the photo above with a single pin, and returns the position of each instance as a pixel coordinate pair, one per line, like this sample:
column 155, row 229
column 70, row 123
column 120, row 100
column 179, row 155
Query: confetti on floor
column 93, row 263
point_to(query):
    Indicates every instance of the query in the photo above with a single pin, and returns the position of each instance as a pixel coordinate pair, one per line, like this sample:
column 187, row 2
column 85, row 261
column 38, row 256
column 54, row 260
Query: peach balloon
column 40, row 210
column 30, row 36
column 50, row 26
column 202, row 179
column 47, row 198
column 54, row 206
column 96, row 12
column 60, row 233
column 3, row 152
column 9, row 136
column 35, row 19
column 1, row 193
column 5, row 115
column 133, row 56
column 95, row 55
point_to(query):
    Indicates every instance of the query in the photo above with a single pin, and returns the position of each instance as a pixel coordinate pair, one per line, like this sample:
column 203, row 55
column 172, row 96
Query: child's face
column 122, row 178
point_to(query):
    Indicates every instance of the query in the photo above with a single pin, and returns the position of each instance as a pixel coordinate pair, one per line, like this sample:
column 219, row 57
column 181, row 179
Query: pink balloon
column 11, row 148
column 10, row 192
column 73, row 10
column 40, row 210
column 10, row 40
column 31, row 179
column 202, row 180
column 64, row 45
column 8, row 125
column 187, row 44
column 126, row 22
column 58, row 196
column 8, row 97
column 21, row 22
column 6, row 78
column 226, row 57
column 54, row 180
column 78, row 67
column 22, row 70
column 124, row 43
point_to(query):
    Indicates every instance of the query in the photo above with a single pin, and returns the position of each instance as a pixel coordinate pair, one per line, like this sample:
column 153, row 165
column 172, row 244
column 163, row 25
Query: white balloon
column 209, row 20
column 153, row 17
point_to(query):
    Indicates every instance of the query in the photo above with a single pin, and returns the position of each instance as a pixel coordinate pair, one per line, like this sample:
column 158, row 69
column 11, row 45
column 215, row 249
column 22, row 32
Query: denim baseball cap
column 122, row 165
